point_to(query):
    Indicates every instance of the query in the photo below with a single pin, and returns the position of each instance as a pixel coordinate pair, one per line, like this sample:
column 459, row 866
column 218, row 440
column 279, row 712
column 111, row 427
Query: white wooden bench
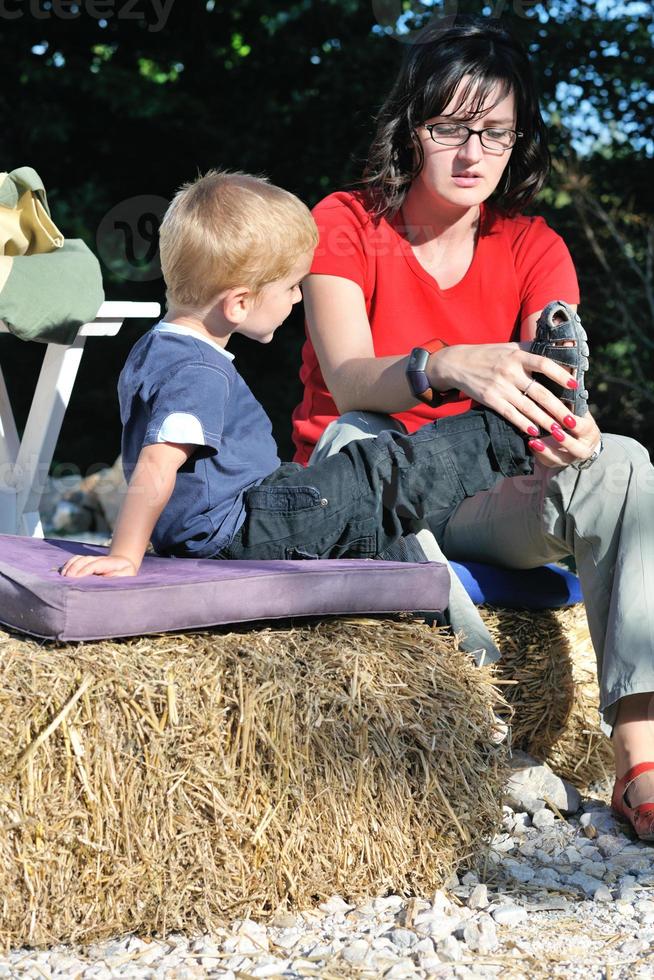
column 25, row 463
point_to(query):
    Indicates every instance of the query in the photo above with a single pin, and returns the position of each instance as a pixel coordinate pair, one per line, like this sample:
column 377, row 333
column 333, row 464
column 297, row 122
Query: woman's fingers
column 537, row 408
column 564, row 447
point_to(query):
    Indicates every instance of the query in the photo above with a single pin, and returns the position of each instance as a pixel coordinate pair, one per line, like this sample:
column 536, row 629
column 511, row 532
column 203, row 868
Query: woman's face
column 466, row 175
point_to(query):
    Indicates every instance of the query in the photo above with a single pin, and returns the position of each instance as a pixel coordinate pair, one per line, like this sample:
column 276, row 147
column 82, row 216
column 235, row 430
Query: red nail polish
column 569, row 421
column 557, row 432
column 572, row 384
column 532, row 430
column 536, row 445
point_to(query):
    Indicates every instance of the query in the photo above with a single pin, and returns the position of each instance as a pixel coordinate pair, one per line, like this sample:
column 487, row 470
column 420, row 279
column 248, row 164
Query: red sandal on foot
column 640, row 817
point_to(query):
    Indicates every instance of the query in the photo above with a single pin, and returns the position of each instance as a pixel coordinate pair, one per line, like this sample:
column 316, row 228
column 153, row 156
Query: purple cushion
column 177, row 594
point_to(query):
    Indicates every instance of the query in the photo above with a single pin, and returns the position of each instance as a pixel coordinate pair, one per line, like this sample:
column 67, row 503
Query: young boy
column 204, row 477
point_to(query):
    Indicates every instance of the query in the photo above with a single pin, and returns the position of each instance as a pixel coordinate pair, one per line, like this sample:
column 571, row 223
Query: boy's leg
column 604, row 516
column 360, row 501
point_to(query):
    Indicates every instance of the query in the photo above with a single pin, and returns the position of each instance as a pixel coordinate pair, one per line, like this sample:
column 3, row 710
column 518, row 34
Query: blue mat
column 548, row 587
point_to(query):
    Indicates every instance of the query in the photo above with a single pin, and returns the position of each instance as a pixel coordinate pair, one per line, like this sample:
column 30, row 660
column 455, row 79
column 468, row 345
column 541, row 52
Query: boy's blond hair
column 230, row 229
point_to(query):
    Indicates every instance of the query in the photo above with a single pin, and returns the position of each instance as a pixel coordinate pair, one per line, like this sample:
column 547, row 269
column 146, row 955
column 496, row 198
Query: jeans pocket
column 508, row 447
column 283, row 499
column 362, row 547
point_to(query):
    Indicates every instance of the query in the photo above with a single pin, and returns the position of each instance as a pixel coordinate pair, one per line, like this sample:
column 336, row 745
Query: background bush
column 135, row 104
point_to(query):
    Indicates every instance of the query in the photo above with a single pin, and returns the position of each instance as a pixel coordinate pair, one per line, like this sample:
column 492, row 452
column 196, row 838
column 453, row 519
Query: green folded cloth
column 49, row 286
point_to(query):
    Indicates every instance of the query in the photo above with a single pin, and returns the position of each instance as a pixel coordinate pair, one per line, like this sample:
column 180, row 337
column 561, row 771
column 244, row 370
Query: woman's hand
column 497, row 376
column 110, row 566
column 572, row 444
column 504, row 377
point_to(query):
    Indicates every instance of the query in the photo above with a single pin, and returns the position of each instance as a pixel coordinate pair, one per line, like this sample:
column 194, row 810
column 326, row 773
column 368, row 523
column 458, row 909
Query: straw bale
column 174, row 782
column 555, row 700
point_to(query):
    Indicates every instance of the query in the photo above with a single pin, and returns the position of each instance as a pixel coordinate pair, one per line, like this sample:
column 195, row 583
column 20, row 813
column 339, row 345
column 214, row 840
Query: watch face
column 418, row 360
column 415, row 372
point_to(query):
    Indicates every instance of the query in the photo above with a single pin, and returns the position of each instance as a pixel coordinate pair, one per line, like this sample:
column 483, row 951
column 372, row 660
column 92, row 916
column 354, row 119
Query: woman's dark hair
column 484, row 52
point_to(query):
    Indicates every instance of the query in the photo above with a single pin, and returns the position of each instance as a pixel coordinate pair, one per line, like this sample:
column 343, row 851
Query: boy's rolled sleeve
column 189, row 407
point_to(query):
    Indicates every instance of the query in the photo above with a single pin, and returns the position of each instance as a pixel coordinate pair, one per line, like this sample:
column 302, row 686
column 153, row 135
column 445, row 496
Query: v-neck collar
column 486, row 224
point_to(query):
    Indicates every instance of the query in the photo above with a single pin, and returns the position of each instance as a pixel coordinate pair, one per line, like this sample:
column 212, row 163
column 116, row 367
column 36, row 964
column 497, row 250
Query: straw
column 556, row 697
column 175, row 782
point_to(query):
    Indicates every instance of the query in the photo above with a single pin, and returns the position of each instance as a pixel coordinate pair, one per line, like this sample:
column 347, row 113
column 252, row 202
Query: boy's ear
column 235, row 303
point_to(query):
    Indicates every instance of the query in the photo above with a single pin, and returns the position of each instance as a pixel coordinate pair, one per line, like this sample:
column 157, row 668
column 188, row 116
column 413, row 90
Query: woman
column 434, row 253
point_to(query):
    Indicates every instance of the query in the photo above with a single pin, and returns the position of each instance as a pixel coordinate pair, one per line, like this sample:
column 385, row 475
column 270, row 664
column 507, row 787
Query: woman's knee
column 352, row 426
column 624, row 462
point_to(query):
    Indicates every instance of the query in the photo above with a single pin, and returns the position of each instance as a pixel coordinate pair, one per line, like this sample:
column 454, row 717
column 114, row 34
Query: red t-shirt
column 519, row 266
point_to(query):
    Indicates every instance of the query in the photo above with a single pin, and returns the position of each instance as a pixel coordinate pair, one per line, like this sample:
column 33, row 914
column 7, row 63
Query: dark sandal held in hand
column 561, row 337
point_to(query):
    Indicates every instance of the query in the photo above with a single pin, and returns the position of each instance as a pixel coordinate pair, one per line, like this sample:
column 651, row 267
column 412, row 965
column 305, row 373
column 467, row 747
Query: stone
column 518, row 871
column 543, row 819
column 608, row 844
column 601, row 820
column 430, row 964
column 573, row 855
column 337, row 906
column 478, row 898
column 593, row 868
column 509, row 915
column 632, row 947
column 487, row 935
column 356, row 952
column 547, row 878
column 272, row 968
column 449, row 950
column 287, row 938
column 403, row 970
column 285, row 920
column 585, row 882
column 602, row 894
column 436, row 925
column 402, row 938
column 531, row 780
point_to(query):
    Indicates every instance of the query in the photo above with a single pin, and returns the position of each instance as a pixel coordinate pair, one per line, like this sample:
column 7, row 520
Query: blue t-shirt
column 177, row 386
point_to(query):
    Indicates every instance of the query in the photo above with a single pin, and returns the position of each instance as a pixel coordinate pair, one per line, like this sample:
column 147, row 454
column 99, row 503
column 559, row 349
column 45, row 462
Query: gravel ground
column 558, row 898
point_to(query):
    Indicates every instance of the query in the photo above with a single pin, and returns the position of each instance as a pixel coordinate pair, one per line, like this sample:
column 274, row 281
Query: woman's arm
column 338, row 326
column 149, row 491
column 495, row 375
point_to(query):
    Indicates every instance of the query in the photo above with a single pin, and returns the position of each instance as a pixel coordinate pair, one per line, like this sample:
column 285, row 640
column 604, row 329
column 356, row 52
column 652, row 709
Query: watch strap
column 416, row 372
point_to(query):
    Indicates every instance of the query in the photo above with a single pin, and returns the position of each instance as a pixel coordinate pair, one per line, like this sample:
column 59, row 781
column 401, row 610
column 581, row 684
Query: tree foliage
column 136, row 103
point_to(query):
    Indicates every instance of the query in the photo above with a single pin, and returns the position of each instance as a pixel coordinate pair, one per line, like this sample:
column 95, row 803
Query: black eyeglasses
column 456, row 134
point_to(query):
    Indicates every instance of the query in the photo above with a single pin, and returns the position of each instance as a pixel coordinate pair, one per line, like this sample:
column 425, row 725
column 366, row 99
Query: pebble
column 478, row 897
column 509, row 915
column 602, row 894
column 542, row 819
column 450, row 950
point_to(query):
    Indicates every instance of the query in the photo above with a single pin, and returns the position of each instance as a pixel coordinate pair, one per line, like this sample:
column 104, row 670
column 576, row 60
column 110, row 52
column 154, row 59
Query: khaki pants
column 603, row 516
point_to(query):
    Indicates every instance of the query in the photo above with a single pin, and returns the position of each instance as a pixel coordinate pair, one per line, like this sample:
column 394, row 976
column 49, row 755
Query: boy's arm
column 148, row 493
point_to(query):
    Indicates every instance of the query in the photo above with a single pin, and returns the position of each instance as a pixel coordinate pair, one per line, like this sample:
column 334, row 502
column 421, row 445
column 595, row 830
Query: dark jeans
column 362, row 501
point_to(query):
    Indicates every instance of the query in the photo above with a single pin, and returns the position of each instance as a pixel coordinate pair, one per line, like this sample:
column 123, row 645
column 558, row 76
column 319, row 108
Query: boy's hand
column 110, row 566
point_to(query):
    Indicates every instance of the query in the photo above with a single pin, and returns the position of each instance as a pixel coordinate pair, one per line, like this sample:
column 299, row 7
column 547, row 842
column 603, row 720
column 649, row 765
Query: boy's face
column 275, row 302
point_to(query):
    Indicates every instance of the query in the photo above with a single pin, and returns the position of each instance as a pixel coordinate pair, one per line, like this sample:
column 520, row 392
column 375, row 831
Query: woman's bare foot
column 633, row 743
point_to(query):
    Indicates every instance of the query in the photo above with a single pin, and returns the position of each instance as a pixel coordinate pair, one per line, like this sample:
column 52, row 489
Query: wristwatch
column 585, row 463
column 415, row 371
